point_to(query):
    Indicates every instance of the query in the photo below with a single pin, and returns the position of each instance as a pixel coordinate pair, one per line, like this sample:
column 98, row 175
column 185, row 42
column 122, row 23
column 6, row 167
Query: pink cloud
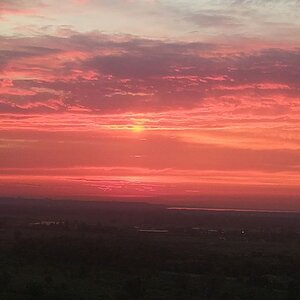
column 93, row 113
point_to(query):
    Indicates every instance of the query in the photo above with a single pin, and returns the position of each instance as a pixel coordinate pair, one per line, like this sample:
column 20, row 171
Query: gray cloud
column 213, row 19
column 127, row 73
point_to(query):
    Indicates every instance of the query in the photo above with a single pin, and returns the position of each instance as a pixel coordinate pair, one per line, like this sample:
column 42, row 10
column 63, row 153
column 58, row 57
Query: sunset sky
column 142, row 98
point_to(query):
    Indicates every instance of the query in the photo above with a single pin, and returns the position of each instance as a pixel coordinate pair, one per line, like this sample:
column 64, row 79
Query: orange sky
column 150, row 98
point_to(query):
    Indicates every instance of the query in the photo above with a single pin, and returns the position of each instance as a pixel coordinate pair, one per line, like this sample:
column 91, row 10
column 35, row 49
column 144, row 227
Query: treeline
column 119, row 266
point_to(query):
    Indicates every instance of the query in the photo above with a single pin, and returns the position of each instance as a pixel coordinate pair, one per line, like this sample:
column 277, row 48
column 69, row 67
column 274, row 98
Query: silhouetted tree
column 34, row 290
column 134, row 288
column 5, row 279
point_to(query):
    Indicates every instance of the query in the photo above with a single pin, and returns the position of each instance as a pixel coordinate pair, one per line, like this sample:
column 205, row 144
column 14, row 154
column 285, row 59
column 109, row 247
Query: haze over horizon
column 151, row 98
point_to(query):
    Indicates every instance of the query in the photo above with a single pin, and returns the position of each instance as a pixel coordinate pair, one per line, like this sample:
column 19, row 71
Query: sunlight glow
column 138, row 128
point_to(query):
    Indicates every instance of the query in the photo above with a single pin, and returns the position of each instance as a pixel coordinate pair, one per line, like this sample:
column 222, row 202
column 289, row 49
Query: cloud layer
column 209, row 108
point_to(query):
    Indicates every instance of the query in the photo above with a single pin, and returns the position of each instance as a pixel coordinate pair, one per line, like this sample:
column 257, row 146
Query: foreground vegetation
column 112, row 259
column 40, row 264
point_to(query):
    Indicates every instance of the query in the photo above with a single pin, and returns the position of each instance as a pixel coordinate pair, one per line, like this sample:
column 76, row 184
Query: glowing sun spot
column 137, row 128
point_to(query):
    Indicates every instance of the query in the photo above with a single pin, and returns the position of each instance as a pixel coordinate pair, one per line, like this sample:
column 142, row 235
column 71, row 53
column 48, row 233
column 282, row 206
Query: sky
column 151, row 98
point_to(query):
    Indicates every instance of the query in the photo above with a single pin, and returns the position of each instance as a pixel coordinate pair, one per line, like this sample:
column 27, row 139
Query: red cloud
column 206, row 118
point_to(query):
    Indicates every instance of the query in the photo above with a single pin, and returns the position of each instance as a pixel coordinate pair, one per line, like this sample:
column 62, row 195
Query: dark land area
column 108, row 250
